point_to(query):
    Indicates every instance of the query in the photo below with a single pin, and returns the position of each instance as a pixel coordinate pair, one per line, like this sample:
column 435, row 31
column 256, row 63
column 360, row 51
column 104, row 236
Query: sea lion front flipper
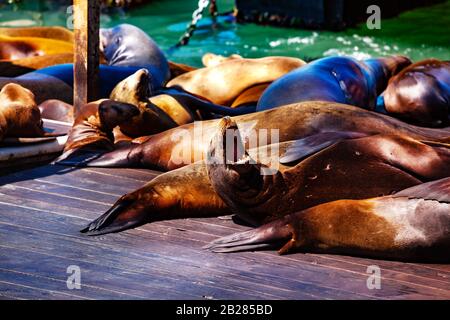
column 438, row 190
column 119, row 217
column 305, row 147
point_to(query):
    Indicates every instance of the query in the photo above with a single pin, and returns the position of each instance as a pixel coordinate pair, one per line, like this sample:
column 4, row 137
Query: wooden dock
column 42, row 209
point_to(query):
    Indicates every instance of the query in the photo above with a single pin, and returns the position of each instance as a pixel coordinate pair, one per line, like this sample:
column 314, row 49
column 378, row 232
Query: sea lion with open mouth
column 333, row 166
column 411, row 225
column 191, row 191
column 187, row 144
column 334, row 79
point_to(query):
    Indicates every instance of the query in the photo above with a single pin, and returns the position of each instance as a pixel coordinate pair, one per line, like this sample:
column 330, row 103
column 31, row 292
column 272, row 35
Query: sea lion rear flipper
column 263, row 237
column 305, row 147
column 119, row 217
column 438, row 190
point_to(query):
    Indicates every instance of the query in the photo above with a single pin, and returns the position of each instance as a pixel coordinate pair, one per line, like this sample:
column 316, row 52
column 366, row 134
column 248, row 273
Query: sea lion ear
column 310, row 145
column 438, row 190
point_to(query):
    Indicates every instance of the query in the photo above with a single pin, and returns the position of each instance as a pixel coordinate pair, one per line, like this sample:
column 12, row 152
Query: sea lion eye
column 118, row 40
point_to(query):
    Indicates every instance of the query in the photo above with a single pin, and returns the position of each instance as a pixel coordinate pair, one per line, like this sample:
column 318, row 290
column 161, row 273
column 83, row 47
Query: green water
column 419, row 34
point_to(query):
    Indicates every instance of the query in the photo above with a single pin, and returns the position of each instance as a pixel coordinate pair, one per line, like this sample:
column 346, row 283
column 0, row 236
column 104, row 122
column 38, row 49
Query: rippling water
column 419, row 34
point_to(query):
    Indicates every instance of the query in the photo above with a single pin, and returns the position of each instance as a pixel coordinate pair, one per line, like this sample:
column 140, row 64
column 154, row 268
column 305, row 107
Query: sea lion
column 187, row 144
column 420, row 94
column 19, row 114
column 56, row 82
column 55, row 33
column 344, row 165
column 212, row 60
column 18, row 67
column 57, row 110
column 127, row 45
column 166, row 109
column 93, row 126
column 222, row 83
column 12, row 48
column 250, row 96
column 188, row 192
column 181, row 193
column 334, row 79
column 411, row 225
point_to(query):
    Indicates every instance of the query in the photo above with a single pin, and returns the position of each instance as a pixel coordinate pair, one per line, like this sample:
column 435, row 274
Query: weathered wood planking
column 42, row 209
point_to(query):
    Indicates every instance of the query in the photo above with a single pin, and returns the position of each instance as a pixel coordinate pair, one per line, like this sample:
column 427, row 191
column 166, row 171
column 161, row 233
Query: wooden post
column 86, row 22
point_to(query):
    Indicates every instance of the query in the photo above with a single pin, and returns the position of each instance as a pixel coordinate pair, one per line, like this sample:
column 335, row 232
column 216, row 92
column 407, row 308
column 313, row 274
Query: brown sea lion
column 411, row 225
column 57, row 110
column 55, row 33
column 212, row 60
column 222, row 83
column 165, row 110
column 19, row 114
column 188, row 192
column 93, row 126
column 355, row 168
column 12, row 48
column 334, row 79
column 187, row 144
column 250, row 96
column 181, row 193
column 420, row 94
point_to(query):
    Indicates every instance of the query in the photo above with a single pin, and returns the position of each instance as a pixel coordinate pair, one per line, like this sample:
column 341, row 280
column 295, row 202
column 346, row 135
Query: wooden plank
column 260, row 261
column 86, row 55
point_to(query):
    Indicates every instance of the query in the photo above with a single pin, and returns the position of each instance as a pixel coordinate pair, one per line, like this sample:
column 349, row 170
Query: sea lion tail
column 122, row 215
column 266, row 236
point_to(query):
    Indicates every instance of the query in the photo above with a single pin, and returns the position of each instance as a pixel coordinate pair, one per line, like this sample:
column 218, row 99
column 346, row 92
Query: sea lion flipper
column 119, row 217
column 265, row 236
column 438, row 190
column 305, row 147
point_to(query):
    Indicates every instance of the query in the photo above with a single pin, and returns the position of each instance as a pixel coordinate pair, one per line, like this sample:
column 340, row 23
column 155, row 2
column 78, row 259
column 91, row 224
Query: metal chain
column 196, row 16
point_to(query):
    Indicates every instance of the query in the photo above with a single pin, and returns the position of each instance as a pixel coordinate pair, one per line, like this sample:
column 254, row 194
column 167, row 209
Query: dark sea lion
column 127, row 45
column 57, row 110
column 55, row 33
column 12, row 48
column 93, row 127
column 19, row 114
column 187, row 144
column 56, row 82
column 411, row 225
column 355, row 168
column 222, row 83
column 420, row 94
column 334, row 79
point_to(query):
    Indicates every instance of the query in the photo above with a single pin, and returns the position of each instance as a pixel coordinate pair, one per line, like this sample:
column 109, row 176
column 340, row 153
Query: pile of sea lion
column 362, row 148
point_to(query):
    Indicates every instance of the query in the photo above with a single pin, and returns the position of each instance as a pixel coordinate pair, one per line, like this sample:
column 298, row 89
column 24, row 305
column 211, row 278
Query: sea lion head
column 238, row 179
column 126, row 45
column 133, row 89
column 20, row 112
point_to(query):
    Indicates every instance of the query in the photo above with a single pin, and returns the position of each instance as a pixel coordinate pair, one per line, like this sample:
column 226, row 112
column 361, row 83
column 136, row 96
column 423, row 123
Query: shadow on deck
column 42, row 209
